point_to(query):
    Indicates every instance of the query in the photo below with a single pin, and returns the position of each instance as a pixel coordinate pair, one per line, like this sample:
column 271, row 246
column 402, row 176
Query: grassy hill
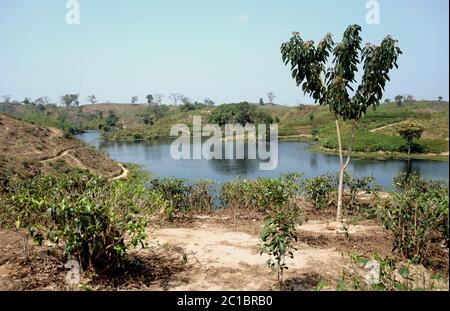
column 375, row 136
column 28, row 149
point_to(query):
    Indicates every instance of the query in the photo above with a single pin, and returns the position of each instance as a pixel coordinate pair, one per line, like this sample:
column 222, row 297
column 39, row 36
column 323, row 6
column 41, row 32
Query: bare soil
column 26, row 148
column 205, row 251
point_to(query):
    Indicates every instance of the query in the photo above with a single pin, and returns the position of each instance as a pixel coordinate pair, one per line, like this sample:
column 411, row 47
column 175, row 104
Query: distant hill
column 376, row 134
column 26, row 148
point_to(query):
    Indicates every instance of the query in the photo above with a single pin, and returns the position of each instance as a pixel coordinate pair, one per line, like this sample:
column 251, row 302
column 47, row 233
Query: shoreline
column 314, row 147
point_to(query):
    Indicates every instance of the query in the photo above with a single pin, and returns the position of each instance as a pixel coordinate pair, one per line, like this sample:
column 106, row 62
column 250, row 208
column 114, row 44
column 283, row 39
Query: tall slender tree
column 333, row 86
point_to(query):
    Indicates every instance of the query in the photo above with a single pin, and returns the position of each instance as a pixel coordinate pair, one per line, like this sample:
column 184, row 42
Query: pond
column 292, row 157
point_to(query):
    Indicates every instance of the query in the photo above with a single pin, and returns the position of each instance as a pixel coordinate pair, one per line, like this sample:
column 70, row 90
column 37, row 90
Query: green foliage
column 173, row 190
column 200, row 197
column 409, row 131
column 70, row 100
column 309, row 64
column 357, row 184
column 318, row 189
column 241, row 113
column 261, row 194
column 278, row 236
column 87, row 214
column 111, row 119
column 314, row 133
column 188, row 106
column 178, row 196
column 417, row 216
column 398, row 100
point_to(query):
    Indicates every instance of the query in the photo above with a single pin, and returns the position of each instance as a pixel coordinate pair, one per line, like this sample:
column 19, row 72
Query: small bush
column 417, row 216
column 199, row 197
column 95, row 221
column 356, row 185
column 261, row 194
column 278, row 235
column 318, row 189
column 173, row 190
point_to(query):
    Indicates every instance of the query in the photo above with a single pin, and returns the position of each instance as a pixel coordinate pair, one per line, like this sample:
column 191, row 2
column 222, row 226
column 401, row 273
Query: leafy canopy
column 409, row 131
column 332, row 86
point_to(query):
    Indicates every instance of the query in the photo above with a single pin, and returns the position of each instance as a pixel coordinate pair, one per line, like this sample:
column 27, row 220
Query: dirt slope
column 28, row 148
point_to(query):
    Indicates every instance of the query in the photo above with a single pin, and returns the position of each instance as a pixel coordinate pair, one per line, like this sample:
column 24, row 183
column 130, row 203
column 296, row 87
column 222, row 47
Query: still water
column 292, row 157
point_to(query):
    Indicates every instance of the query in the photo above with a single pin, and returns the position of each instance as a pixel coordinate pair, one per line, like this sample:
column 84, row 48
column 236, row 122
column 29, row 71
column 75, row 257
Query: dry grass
column 29, row 149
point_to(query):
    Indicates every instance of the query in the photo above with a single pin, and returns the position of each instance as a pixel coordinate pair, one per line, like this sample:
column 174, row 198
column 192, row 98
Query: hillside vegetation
column 29, row 149
column 376, row 134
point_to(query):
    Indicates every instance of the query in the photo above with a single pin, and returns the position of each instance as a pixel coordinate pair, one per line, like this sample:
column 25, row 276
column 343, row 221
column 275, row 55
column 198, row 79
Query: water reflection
column 293, row 156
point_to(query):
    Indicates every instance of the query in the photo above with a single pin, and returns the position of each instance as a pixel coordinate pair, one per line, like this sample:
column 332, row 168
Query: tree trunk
column 342, row 167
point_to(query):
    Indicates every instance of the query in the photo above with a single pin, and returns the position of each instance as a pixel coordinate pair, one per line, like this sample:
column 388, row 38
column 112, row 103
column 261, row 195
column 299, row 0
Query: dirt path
column 123, row 174
column 61, row 154
column 66, row 153
column 385, row 126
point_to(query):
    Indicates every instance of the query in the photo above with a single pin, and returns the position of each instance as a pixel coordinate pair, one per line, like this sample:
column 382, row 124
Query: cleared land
column 210, row 251
column 29, row 149
column 376, row 135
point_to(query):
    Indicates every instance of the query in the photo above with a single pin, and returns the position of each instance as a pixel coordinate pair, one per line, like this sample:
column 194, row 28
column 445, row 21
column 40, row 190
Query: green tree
column 134, row 99
column 208, row 102
column 70, row 100
column 111, row 119
column 409, row 131
column 439, row 98
column 261, row 101
column 241, row 113
column 332, row 86
column 399, row 100
column 278, row 237
column 27, row 101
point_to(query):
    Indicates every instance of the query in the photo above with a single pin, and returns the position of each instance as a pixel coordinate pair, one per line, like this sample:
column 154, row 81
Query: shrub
column 95, row 220
column 199, row 197
column 93, row 233
column 261, row 194
column 356, row 185
column 278, row 235
column 417, row 216
column 318, row 189
column 174, row 191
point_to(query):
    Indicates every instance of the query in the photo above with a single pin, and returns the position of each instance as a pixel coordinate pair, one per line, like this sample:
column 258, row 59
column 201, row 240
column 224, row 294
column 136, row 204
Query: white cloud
column 243, row 19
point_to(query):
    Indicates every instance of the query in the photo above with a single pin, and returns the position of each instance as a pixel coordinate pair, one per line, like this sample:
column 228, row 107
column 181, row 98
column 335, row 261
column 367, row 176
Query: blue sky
column 224, row 50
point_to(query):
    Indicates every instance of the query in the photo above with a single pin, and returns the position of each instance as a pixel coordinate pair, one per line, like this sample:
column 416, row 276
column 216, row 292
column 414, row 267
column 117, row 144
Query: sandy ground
column 208, row 252
column 230, row 260
column 225, row 257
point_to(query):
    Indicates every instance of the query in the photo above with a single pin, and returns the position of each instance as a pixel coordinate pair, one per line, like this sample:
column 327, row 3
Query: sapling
column 278, row 236
column 334, row 87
